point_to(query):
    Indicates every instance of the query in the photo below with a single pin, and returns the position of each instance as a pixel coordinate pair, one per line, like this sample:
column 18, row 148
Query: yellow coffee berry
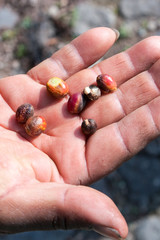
column 57, row 87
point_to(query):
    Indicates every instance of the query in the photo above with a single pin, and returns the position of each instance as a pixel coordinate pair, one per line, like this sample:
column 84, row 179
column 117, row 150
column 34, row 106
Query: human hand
column 41, row 178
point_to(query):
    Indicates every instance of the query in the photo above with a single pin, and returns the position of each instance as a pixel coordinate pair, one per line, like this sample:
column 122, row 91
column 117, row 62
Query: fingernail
column 116, row 32
column 108, row 232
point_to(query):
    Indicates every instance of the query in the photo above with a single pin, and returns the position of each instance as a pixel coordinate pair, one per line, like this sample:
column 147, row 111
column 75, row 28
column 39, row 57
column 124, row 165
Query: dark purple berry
column 92, row 92
column 88, row 126
column 24, row 112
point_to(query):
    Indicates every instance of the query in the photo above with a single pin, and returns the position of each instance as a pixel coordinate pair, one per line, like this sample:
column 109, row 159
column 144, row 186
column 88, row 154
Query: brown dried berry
column 35, row 125
column 92, row 92
column 106, row 83
column 76, row 103
column 24, row 112
column 88, row 126
column 57, row 87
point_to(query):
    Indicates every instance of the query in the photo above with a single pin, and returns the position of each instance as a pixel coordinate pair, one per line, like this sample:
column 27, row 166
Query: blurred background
column 30, row 31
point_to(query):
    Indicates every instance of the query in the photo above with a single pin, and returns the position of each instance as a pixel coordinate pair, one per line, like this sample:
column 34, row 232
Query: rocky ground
column 32, row 30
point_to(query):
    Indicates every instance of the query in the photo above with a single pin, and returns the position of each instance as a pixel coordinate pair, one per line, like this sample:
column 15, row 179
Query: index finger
column 80, row 53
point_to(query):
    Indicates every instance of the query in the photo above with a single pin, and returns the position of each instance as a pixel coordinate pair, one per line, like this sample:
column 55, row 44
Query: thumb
column 44, row 206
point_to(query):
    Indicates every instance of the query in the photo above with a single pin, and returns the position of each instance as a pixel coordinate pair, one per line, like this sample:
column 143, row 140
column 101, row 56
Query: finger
column 120, row 141
column 55, row 206
column 131, row 95
column 5, row 118
column 80, row 53
column 121, row 67
column 19, row 89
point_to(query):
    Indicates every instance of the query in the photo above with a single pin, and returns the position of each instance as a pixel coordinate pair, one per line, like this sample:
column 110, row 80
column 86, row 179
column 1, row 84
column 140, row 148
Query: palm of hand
column 58, row 155
column 27, row 163
column 37, row 175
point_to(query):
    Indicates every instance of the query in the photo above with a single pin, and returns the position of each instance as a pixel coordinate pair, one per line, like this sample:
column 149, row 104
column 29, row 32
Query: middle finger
column 131, row 95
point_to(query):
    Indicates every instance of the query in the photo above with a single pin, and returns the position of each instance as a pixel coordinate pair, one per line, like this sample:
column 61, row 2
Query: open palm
column 40, row 177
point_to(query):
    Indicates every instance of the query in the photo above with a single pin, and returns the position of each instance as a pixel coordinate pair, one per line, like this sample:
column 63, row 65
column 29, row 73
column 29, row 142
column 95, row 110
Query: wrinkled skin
column 42, row 179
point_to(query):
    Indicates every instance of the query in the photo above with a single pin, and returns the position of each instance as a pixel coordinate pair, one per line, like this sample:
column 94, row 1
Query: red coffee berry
column 76, row 103
column 35, row 125
column 106, row 83
column 24, row 112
